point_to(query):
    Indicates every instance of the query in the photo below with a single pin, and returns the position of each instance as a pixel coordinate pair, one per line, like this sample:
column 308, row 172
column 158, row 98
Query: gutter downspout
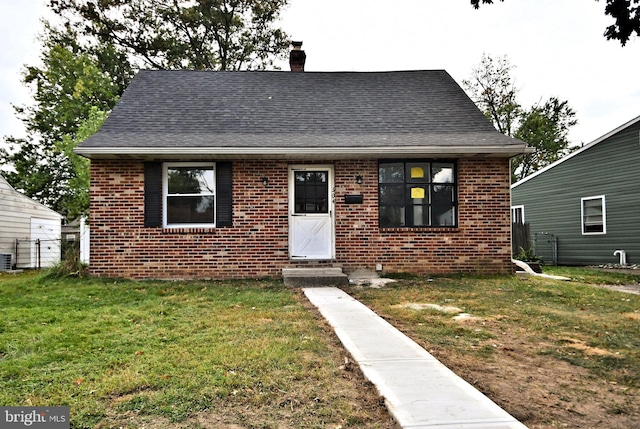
column 527, row 269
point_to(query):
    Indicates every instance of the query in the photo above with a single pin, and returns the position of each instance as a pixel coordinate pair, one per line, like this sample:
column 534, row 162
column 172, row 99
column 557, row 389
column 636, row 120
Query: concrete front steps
column 314, row 277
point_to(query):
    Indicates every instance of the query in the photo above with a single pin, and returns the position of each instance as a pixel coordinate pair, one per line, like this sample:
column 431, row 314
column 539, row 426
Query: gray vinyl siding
column 16, row 214
column 552, row 201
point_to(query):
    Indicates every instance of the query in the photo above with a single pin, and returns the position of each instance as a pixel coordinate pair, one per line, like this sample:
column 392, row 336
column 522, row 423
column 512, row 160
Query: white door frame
column 322, row 248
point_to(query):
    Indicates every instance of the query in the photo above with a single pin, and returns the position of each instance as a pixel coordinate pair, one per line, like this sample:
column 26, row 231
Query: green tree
column 89, row 59
column 625, row 12
column 35, row 170
column 76, row 197
column 70, row 82
column 543, row 127
column 546, row 129
column 494, row 92
column 66, row 88
column 173, row 34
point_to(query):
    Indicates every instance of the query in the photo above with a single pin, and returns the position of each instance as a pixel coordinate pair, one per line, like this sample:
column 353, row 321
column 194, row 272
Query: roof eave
column 298, row 153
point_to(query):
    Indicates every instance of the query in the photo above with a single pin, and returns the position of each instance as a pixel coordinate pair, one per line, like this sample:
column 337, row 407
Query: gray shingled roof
column 264, row 113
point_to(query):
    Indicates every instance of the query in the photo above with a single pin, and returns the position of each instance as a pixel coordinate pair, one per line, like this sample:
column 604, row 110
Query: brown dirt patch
column 580, row 345
column 539, row 390
column 543, row 392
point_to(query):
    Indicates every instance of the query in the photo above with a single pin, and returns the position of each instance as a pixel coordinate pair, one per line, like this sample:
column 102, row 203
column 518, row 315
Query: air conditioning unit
column 5, row 261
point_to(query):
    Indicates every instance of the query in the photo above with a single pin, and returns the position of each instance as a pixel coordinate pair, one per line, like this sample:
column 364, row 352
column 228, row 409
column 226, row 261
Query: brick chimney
column 297, row 57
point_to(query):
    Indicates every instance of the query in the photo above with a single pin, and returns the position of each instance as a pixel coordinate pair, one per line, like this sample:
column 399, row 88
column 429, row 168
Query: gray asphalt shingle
column 269, row 109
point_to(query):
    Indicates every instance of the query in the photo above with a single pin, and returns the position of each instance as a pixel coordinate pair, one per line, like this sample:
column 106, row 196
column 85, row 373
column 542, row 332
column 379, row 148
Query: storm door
column 311, row 223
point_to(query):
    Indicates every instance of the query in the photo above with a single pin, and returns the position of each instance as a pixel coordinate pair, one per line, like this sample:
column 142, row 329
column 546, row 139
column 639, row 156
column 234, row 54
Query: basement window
column 594, row 215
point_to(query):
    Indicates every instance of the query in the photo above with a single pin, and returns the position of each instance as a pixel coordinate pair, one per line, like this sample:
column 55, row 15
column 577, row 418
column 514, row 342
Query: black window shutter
column 224, row 206
column 153, row 194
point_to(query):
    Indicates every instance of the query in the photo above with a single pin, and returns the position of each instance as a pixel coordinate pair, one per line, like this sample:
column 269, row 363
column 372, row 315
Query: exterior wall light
column 359, row 179
column 265, row 181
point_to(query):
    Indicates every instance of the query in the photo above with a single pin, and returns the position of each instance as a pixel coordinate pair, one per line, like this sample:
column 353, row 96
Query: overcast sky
column 556, row 46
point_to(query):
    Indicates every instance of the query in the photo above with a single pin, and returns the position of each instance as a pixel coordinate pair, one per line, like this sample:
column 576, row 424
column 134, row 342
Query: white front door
column 311, row 224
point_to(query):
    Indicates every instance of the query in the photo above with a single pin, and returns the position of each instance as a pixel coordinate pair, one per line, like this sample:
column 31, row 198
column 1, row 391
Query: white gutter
column 364, row 152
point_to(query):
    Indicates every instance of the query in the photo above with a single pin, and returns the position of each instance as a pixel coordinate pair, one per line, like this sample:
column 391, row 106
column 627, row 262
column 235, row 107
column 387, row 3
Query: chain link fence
column 46, row 252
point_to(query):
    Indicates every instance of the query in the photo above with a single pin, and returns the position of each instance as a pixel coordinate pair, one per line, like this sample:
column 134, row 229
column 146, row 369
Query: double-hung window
column 517, row 214
column 417, row 194
column 189, row 194
column 594, row 215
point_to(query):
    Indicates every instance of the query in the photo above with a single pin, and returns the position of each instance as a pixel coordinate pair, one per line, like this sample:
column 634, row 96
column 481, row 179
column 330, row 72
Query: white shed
column 30, row 232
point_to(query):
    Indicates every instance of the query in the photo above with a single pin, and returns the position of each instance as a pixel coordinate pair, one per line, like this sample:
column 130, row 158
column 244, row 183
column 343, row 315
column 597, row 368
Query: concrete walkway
column 419, row 391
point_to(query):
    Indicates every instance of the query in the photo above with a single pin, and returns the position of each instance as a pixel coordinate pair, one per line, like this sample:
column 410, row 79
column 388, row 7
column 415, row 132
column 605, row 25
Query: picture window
column 417, row 194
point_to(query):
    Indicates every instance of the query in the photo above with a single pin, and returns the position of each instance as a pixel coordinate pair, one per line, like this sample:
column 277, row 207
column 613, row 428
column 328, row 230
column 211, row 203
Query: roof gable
column 579, row 151
column 266, row 112
column 8, row 192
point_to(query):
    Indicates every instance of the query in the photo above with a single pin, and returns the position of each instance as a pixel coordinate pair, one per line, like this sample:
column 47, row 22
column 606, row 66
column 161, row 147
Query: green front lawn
column 175, row 354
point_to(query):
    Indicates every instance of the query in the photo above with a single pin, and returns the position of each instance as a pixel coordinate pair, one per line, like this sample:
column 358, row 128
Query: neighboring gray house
column 587, row 204
column 29, row 231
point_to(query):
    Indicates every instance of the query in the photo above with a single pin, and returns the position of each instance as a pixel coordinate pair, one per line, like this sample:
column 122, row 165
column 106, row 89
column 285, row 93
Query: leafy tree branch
column 626, row 14
column 89, row 59
column 544, row 127
column 203, row 34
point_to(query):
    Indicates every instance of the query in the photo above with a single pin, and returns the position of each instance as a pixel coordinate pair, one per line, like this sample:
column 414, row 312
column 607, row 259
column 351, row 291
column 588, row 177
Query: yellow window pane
column 417, row 173
column 417, row 193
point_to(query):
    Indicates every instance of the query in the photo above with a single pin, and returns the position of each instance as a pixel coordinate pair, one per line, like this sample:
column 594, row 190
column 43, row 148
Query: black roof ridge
column 295, row 73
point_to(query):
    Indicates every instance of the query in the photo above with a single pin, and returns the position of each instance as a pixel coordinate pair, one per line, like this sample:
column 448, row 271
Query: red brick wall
column 257, row 244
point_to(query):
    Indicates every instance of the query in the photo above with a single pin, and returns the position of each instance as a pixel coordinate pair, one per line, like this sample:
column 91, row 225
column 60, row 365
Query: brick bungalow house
column 203, row 174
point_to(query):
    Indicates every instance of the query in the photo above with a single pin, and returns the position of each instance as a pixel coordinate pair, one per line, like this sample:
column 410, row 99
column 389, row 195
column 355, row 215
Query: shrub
column 527, row 255
column 69, row 266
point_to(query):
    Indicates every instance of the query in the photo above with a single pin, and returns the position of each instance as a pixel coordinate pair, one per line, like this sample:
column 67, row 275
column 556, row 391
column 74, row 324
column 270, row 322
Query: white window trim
column 165, row 191
column 513, row 209
column 604, row 214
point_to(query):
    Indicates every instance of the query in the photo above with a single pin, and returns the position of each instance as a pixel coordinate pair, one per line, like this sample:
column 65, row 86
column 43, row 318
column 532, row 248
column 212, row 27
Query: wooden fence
column 520, row 237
